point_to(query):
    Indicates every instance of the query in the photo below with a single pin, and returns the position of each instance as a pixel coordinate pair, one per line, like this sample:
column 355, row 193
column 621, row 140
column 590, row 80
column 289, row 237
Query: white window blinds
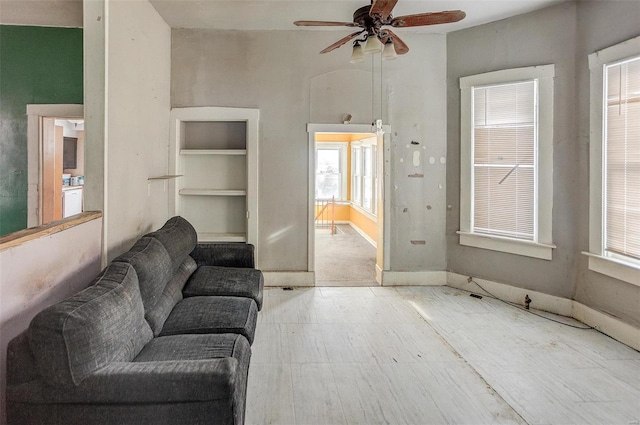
column 504, row 159
column 622, row 158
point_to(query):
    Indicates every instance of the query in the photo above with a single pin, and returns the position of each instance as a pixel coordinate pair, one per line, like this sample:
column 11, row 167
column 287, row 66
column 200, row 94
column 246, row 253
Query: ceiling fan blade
column 324, row 24
column 382, row 8
column 400, row 46
column 342, row 41
column 434, row 18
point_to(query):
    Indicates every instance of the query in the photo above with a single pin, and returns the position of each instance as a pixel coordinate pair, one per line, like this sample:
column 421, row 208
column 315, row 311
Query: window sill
column 364, row 212
column 617, row 269
column 511, row 246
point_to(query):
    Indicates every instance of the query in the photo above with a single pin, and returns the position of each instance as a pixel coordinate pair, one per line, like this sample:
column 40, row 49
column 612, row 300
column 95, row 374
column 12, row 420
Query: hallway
column 344, row 259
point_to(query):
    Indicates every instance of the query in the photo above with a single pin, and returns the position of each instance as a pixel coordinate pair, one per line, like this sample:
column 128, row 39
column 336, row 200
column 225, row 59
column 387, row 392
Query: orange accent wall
column 364, row 223
column 341, row 213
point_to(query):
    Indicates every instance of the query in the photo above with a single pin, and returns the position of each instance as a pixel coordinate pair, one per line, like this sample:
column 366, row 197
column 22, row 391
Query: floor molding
column 608, row 325
column 540, row 301
column 286, row 278
column 430, row 278
column 363, row 234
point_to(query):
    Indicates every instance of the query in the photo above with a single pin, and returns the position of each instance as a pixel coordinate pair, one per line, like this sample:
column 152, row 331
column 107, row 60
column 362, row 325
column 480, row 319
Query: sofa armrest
column 224, row 255
column 143, row 382
column 21, row 365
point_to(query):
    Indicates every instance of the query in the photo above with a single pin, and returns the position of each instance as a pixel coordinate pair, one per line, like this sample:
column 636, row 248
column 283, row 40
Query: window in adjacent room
column 331, row 171
column 364, row 175
column 615, row 162
column 506, row 182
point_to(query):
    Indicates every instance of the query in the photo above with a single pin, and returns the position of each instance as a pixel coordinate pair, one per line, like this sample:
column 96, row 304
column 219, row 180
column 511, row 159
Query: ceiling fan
column 372, row 18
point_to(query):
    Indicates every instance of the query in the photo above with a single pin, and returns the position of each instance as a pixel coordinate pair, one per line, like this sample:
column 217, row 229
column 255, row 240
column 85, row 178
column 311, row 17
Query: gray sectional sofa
column 162, row 336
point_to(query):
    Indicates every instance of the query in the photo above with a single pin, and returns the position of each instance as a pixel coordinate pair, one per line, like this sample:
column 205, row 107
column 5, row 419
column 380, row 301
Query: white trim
column 597, row 261
column 609, row 325
column 312, row 129
column 513, row 294
column 279, row 279
column 423, row 278
column 378, row 275
column 510, row 245
column 543, row 245
column 620, row 270
column 363, row 234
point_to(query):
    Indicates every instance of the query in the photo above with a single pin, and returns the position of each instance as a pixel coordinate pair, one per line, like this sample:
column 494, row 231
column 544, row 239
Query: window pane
column 622, row 167
column 504, row 148
column 328, row 175
column 327, row 186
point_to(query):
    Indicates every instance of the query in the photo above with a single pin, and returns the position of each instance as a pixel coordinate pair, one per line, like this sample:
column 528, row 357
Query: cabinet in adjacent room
column 215, row 151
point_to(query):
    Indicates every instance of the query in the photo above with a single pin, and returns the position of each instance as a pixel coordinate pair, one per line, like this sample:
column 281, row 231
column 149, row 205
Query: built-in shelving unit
column 216, row 152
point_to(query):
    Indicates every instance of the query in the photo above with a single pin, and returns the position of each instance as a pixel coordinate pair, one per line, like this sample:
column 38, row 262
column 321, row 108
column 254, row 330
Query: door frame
column 383, row 180
column 35, row 113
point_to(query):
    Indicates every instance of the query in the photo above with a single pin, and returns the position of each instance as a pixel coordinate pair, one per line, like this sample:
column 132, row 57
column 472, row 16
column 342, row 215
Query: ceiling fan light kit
column 372, row 18
column 373, row 45
column 357, row 55
column 389, row 52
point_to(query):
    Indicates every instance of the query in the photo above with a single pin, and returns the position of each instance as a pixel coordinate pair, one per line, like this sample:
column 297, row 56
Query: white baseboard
column 289, row 278
column 363, row 234
column 434, row 278
column 608, row 325
column 378, row 275
column 540, row 301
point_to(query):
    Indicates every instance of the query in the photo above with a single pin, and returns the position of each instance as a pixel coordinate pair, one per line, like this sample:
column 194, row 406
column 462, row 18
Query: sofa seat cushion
column 231, row 281
column 213, row 315
column 179, row 368
column 100, row 325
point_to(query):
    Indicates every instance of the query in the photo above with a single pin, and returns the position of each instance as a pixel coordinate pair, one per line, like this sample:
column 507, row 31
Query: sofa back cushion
column 171, row 295
column 178, row 237
column 102, row 324
column 153, row 265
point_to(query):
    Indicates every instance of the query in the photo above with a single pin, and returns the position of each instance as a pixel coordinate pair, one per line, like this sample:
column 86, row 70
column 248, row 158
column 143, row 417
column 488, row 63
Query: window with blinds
column 504, row 138
column 621, row 133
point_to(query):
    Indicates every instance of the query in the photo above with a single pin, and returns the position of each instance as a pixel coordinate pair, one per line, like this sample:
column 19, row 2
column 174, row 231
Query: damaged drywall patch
column 416, row 158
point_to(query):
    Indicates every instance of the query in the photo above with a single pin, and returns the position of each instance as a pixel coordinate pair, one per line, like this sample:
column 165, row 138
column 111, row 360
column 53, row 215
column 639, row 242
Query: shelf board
column 213, row 151
column 212, row 192
column 222, row 237
column 165, row 177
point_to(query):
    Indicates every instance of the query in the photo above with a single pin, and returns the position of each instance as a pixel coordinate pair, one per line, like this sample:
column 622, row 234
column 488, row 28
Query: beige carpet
column 344, row 259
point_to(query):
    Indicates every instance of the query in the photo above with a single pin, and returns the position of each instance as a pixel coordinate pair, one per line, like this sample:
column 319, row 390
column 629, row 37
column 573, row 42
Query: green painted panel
column 38, row 65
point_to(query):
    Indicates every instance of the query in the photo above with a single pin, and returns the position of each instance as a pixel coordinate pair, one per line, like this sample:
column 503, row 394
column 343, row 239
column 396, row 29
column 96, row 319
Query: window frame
column 611, row 265
column 541, row 246
column 358, row 180
column 342, row 149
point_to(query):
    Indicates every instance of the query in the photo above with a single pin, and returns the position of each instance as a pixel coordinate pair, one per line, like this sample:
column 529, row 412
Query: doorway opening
column 346, row 204
column 56, row 152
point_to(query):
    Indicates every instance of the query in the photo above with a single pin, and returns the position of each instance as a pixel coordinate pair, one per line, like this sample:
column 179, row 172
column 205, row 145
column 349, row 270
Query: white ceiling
column 280, row 14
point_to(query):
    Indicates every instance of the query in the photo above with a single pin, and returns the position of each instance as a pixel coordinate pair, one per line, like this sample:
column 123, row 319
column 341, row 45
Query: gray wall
column 562, row 35
column 600, row 25
column 282, row 74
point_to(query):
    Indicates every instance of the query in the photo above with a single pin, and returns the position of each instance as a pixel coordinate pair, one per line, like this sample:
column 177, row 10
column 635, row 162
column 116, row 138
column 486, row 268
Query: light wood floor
column 430, row 355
